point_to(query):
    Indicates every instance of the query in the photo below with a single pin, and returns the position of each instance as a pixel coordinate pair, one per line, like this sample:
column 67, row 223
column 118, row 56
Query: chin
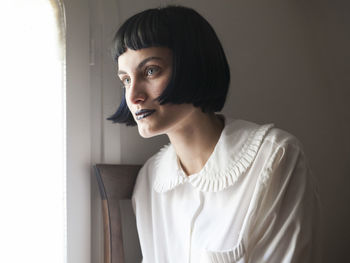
column 146, row 136
column 146, row 133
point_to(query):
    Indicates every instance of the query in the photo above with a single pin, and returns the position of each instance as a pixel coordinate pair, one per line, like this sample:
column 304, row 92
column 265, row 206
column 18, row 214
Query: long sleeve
column 284, row 225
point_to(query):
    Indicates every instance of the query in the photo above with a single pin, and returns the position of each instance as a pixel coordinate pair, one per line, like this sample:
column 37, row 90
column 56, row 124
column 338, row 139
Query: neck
column 194, row 141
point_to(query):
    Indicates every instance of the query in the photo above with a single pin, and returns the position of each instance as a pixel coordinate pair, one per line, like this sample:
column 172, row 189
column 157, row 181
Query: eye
column 151, row 71
column 126, row 81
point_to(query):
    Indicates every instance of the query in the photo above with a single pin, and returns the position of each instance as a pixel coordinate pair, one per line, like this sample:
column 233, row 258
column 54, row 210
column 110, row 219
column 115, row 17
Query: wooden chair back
column 115, row 182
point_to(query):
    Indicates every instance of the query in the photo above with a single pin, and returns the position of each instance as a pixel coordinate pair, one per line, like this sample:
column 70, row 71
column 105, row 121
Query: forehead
column 132, row 59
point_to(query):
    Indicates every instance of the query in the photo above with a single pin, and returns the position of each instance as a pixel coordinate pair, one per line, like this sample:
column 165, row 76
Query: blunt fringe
column 200, row 74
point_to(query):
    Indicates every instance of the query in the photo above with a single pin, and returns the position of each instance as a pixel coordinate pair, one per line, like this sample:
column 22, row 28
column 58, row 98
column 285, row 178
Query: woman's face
column 145, row 73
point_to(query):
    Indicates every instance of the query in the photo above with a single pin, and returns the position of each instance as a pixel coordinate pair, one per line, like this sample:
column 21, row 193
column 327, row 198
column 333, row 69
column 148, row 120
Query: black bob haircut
column 200, row 74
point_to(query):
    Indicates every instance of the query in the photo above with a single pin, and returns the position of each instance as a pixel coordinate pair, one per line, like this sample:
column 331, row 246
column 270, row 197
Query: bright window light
column 32, row 132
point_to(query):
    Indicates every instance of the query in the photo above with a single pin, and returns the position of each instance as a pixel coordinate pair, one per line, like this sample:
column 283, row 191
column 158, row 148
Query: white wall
column 289, row 65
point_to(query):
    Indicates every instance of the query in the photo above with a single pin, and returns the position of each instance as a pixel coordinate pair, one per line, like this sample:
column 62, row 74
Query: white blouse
column 253, row 201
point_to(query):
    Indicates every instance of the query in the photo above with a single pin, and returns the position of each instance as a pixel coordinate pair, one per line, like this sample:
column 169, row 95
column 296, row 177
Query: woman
column 223, row 190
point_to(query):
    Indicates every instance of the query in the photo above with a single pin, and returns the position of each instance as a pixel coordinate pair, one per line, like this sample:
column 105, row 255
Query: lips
column 144, row 113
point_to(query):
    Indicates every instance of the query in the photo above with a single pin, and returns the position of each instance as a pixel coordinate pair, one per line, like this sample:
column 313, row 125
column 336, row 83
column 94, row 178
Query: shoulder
column 161, row 161
column 282, row 138
column 268, row 137
column 154, row 164
column 264, row 132
column 284, row 149
column 285, row 160
column 265, row 146
column 280, row 165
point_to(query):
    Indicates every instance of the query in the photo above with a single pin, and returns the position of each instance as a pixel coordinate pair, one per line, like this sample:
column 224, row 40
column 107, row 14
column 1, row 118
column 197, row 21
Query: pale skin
column 145, row 73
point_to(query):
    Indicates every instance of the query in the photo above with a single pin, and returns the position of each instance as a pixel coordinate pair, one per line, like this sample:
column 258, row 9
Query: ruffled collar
column 234, row 153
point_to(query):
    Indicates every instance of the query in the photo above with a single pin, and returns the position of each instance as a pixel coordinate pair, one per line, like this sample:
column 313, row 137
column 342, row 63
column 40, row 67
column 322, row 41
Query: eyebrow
column 142, row 63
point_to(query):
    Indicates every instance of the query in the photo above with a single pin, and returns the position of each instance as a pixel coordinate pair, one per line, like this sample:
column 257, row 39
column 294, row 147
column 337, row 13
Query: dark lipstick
column 141, row 114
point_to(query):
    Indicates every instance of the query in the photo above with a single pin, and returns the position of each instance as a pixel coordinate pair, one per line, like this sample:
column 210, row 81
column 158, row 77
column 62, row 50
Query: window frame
column 78, row 108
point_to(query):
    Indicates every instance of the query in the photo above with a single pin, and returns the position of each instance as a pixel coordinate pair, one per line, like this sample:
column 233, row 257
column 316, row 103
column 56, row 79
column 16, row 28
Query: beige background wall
column 289, row 65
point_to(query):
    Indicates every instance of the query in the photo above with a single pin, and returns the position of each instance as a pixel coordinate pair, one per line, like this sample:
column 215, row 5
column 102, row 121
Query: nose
column 136, row 93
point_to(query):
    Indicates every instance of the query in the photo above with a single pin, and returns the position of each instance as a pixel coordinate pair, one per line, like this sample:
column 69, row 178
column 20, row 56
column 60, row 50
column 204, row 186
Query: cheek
column 128, row 104
column 161, row 85
column 127, row 100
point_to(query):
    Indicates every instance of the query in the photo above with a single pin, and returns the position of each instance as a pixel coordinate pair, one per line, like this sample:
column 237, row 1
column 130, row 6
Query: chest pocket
column 229, row 256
